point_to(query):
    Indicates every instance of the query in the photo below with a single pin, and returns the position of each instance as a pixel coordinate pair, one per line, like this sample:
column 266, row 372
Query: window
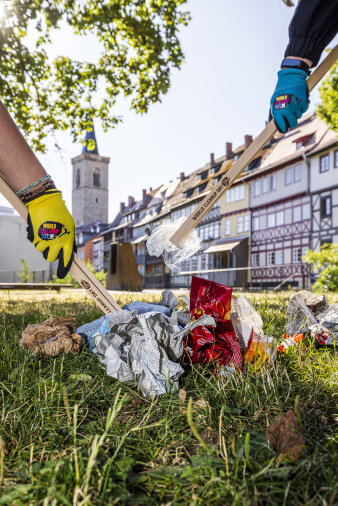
column 271, row 258
column 304, row 251
column 265, row 185
column 78, row 178
column 247, row 223
column 236, row 157
column 297, row 173
column 203, row 175
column 325, row 207
column 235, row 194
column 194, row 263
column 255, row 224
column 273, row 180
column 297, row 214
column 210, row 231
column 201, row 187
column 306, row 211
column 280, row 218
column 239, row 224
column 271, row 220
column 335, row 158
column 299, row 145
column 297, row 255
column 255, row 260
column 188, row 193
column 324, row 163
column 96, row 177
column 227, row 227
column 288, row 176
column 257, row 188
column 203, row 261
column 279, row 257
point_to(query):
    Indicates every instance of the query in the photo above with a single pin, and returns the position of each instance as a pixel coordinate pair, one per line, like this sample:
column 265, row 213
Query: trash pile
column 152, row 343
column 311, row 313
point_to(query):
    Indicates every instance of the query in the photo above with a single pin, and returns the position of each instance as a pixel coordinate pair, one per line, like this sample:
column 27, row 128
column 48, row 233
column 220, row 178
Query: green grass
column 91, row 440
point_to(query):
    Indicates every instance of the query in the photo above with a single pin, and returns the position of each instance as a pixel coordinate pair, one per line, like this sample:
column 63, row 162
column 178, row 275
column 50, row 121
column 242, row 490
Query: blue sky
column 233, row 51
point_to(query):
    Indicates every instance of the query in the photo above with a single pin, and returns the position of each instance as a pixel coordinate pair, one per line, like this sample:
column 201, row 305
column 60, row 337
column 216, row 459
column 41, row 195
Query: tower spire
column 90, row 135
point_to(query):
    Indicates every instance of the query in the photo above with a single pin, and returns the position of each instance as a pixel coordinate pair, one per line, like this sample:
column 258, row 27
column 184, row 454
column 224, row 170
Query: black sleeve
column 312, row 28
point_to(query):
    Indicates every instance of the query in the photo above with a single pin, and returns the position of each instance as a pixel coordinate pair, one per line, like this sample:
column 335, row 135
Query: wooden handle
column 237, row 167
column 79, row 270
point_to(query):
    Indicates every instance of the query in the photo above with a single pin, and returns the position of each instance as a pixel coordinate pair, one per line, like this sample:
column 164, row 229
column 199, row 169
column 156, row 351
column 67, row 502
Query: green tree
column 68, row 279
column 139, row 48
column 328, row 108
column 26, row 274
column 325, row 262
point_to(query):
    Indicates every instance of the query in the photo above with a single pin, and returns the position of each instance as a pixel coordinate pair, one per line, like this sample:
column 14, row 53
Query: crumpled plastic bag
column 159, row 244
column 326, row 330
column 52, row 337
column 261, row 351
column 302, row 310
column 289, row 342
column 145, row 348
column 245, row 318
column 284, row 436
column 219, row 346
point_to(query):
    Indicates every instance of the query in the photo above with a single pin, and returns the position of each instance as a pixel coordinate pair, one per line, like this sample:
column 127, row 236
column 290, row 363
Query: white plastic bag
column 245, row 319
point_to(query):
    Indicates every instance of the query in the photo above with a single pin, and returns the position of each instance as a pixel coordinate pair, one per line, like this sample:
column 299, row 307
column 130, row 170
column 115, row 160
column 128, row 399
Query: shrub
column 69, row 279
column 26, row 275
column 325, row 262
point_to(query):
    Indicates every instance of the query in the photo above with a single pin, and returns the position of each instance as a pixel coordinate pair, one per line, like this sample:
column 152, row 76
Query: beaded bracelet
column 36, row 189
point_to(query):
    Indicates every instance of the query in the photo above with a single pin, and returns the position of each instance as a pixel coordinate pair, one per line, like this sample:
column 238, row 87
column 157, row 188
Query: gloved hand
column 51, row 229
column 290, row 99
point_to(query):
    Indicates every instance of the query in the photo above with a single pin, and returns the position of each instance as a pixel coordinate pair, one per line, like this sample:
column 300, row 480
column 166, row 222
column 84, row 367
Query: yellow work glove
column 51, row 229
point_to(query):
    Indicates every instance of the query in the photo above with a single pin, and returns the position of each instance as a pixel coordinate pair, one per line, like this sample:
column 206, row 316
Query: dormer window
column 188, row 193
column 301, row 142
column 201, row 187
column 203, row 175
column 96, row 177
column 299, row 145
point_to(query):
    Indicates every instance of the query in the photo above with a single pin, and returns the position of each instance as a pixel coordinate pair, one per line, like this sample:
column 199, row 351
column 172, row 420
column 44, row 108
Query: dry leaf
column 284, row 436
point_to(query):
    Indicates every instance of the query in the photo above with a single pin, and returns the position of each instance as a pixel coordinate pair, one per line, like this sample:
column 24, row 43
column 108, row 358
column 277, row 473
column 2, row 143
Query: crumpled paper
column 204, row 345
column 245, row 318
column 144, row 347
column 284, row 436
column 326, row 330
column 52, row 337
column 302, row 310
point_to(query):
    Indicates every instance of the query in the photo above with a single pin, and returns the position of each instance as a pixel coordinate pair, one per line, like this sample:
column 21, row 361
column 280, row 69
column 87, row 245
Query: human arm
column 46, row 208
column 313, row 26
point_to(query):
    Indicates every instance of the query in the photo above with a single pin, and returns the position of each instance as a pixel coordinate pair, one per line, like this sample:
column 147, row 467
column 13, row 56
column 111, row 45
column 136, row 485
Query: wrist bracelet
column 36, row 189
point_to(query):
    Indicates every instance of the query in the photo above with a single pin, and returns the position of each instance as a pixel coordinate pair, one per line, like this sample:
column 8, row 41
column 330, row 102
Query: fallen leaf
column 284, row 436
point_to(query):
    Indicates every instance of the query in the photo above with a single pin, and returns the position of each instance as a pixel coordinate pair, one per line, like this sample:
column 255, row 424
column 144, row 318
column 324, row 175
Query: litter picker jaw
column 78, row 269
column 238, row 167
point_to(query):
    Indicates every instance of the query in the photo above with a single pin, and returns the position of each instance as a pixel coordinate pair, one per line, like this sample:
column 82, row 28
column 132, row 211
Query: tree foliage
column 70, row 280
column 139, row 48
column 325, row 262
column 26, row 274
column 328, row 108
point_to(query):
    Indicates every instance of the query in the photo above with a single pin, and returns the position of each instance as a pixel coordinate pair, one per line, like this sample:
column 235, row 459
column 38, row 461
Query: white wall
column 282, row 191
column 14, row 245
column 321, row 180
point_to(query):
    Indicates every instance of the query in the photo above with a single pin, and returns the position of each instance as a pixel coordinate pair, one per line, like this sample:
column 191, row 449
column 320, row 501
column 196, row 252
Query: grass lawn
column 72, row 435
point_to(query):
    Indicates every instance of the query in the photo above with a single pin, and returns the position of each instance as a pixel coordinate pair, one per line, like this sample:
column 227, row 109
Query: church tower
column 90, row 185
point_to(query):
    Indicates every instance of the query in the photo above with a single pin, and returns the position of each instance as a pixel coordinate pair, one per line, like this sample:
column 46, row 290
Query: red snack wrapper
column 208, row 344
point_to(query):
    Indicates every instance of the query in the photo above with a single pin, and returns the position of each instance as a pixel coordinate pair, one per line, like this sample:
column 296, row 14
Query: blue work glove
column 290, row 99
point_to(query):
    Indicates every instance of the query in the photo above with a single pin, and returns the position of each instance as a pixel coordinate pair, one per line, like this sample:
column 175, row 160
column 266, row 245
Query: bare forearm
column 18, row 163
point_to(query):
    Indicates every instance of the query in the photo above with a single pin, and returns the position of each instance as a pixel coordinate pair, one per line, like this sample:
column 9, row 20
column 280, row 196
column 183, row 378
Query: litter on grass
column 52, row 337
column 310, row 313
column 159, row 244
column 151, row 343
